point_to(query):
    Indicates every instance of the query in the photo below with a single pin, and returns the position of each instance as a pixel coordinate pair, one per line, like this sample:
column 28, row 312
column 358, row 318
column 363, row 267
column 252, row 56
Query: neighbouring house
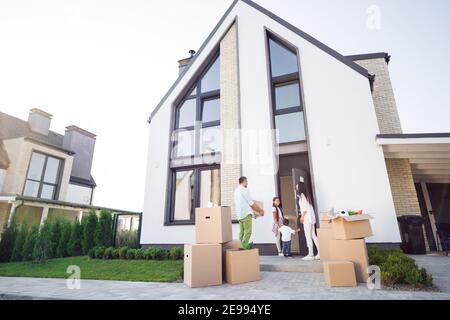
column 263, row 99
column 44, row 174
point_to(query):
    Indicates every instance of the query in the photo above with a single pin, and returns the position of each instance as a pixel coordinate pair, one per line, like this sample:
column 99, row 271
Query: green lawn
column 124, row 270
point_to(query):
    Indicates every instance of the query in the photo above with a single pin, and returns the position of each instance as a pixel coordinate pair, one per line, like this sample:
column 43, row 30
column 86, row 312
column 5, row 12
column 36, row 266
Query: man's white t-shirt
column 242, row 202
column 286, row 233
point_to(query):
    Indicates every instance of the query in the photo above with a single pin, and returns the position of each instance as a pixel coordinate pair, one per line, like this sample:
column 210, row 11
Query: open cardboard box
column 352, row 227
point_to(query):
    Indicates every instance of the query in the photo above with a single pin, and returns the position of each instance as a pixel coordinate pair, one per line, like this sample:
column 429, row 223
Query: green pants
column 245, row 226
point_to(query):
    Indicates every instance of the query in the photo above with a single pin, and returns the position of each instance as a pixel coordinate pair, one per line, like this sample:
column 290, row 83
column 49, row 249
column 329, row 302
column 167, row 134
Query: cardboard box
column 231, row 245
column 353, row 227
column 339, row 273
column 242, row 266
column 261, row 205
column 213, row 225
column 324, row 236
column 325, row 221
column 354, row 251
column 202, row 265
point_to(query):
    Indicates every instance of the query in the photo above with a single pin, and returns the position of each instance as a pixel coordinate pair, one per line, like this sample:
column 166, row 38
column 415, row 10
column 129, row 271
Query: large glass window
column 195, row 171
column 43, row 176
column 194, row 188
column 286, row 98
column 198, row 114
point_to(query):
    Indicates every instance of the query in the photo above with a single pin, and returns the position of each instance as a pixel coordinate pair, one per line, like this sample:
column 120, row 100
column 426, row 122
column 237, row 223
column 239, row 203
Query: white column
column 12, row 212
column 80, row 216
column 44, row 215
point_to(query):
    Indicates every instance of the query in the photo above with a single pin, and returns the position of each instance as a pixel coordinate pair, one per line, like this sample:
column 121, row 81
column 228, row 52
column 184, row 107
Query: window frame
column 285, row 79
column 41, row 182
column 170, row 219
column 199, row 97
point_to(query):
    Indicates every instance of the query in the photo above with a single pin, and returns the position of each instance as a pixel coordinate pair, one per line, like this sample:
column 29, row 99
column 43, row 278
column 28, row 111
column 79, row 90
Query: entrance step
column 294, row 264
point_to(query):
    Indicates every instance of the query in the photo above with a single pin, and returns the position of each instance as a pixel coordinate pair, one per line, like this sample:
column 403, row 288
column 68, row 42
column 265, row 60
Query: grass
column 122, row 270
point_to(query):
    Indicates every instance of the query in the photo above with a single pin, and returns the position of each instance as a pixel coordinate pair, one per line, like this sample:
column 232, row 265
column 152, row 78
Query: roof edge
column 414, row 135
column 368, row 56
column 356, row 67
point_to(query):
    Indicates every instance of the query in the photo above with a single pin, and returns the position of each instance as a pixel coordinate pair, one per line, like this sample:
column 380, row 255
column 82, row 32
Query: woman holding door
column 308, row 219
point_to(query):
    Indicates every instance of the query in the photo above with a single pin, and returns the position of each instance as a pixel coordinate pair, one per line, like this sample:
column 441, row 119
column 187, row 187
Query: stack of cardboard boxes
column 343, row 248
column 216, row 257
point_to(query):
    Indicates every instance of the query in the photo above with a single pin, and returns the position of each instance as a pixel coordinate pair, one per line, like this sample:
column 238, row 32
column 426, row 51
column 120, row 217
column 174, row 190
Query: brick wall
column 230, row 117
column 403, row 189
column 383, row 96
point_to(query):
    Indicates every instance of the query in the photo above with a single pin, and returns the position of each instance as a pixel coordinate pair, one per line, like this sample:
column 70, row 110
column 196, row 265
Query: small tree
column 89, row 231
column 8, row 238
column 20, row 242
column 74, row 247
column 55, row 235
column 103, row 232
column 30, row 241
column 43, row 245
column 63, row 242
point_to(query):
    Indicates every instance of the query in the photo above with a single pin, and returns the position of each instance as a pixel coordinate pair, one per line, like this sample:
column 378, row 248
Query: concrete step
column 294, row 264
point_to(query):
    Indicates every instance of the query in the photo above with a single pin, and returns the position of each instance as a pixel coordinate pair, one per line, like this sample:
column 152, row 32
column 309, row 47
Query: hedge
column 398, row 269
column 126, row 253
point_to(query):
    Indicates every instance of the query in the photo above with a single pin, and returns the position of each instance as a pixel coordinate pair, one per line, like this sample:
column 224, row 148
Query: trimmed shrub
column 103, row 231
column 131, row 254
column 108, row 255
column 74, row 247
column 30, row 241
column 115, row 253
column 123, row 252
column 89, row 226
column 43, row 246
column 99, row 252
column 148, row 254
column 397, row 268
column 20, row 242
column 176, row 253
column 160, row 254
column 8, row 237
column 139, row 255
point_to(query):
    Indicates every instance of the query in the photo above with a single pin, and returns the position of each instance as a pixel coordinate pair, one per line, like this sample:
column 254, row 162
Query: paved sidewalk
column 273, row 286
column 439, row 267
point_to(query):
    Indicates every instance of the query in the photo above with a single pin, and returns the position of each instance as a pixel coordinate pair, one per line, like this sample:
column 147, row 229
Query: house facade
column 44, row 174
column 263, row 99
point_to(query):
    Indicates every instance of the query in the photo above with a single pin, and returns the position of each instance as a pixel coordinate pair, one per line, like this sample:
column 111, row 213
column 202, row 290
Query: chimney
column 39, row 121
column 183, row 63
column 82, row 142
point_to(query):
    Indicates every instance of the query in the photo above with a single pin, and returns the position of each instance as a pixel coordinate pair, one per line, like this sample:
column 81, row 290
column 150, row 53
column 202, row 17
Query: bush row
column 55, row 238
column 126, row 253
column 397, row 268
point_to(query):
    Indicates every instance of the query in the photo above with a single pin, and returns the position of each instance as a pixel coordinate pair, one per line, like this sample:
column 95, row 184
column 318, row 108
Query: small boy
column 286, row 237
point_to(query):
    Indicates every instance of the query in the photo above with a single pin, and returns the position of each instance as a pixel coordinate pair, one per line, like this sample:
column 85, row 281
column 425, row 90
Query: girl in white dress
column 278, row 217
column 308, row 219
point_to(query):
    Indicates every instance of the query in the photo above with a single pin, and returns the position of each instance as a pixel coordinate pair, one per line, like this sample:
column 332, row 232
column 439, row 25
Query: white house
column 265, row 100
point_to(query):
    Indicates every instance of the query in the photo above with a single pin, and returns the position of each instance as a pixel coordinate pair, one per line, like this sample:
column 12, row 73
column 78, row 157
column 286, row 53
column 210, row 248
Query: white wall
column 348, row 167
column 78, row 194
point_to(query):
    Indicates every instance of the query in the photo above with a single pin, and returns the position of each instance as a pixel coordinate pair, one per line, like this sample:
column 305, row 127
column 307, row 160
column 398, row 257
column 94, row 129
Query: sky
column 103, row 65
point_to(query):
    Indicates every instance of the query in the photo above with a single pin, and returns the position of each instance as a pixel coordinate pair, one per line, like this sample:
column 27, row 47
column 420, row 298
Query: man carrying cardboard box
column 245, row 205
